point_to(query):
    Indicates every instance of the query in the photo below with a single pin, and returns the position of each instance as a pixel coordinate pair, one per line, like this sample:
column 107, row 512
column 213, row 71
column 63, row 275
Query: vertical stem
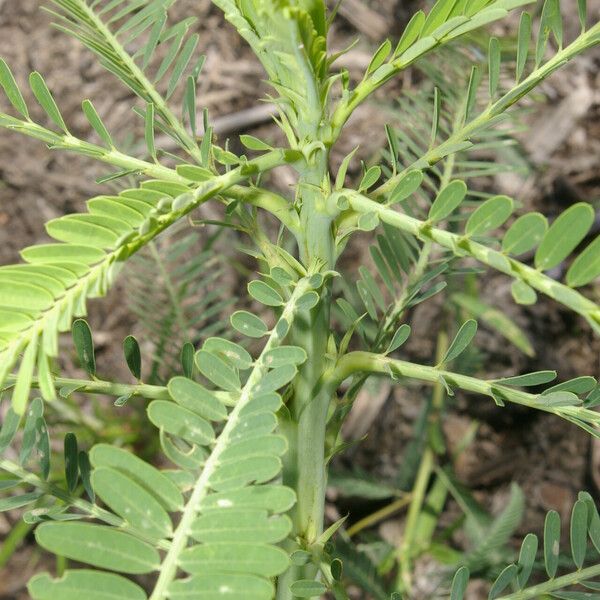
column 406, row 549
column 304, row 465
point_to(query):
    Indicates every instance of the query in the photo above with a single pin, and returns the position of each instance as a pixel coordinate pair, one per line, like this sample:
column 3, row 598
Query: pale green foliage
column 249, row 434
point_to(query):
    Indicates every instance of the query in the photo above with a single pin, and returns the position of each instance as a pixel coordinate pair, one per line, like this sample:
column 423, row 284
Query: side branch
column 463, row 246
column 265, row 199
column 446, row 32
column 88, row 508
column 367, row 362
column 495, row 111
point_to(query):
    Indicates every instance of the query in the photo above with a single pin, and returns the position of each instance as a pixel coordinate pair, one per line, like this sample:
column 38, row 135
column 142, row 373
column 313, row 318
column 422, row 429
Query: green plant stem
column 379, row 515
column 84, row 506
column 98, row 272
column 369, row 84
column 265, row 199
column 97, row 386
column 537, row 591
column 188, row 143
column 406, row 550
column 463, row 246
column 13, row 540
column 304, row 467
column 367, row 362
column 170, row 564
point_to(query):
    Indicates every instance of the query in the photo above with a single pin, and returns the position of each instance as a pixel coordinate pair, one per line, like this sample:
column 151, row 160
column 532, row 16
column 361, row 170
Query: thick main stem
column 304, row 466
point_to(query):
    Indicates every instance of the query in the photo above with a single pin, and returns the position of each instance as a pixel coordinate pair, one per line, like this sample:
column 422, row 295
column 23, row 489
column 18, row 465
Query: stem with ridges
column 463, row 246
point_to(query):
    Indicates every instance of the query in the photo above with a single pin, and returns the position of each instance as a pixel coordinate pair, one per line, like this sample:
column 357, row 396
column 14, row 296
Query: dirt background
column 549, row 459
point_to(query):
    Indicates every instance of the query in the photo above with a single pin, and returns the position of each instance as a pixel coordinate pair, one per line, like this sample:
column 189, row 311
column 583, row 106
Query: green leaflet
column 133, row 356
column 496, row 319
column 307, row 588
column 71, row 461
column 219, row 586
column 264, row 293
column 83, row 583
column 197, row 398
column 563, row 236
column 151, row 479
column 490, row 215
column 370, row 178
column 527, row 556
column 285, row 355
column 234, row 474
column 253, row 143
column 84, row 345
column 411, row 32
column 131, row 501
column 179, row 421
column 380, row 56
column 44, row 97
column 459, row 584
column 407, row 185
column 524, row 39
column 274, row 498
column 50, row 253
column 551, row 542
column 99, row 546
column 14, row 502
column 503, row 580
column 8, row 83
column 586, row 267
column 248, row 324
column 248, row 525
column 217, row 371
column 530, row 379
column 578, row 532
column 20, row 394
column 10, row 424
column 463, row 338
column 523, row 293
column 447, row 201
column 96, row 231
column 494, row 60
column 229, row 351
column 96, row 122
column 85, row 471
column 525, row 233
column 240, row 557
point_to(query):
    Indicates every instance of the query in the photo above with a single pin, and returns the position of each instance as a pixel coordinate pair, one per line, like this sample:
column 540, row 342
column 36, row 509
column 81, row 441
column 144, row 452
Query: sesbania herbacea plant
column 239, row 512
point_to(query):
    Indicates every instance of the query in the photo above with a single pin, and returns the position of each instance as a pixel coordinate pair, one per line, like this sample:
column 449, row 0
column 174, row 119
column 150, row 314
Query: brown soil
column 549, row 459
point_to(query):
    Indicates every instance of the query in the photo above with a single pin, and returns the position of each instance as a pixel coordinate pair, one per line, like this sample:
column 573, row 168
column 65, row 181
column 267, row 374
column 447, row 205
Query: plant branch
column 84, row 506
column 462, row 246
column 97, row 386
column 188, row 143
column 367, row 362
column 256, row 196
column 540, row 590
column 373, row 81
column 495, row 111
column 100, row 272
